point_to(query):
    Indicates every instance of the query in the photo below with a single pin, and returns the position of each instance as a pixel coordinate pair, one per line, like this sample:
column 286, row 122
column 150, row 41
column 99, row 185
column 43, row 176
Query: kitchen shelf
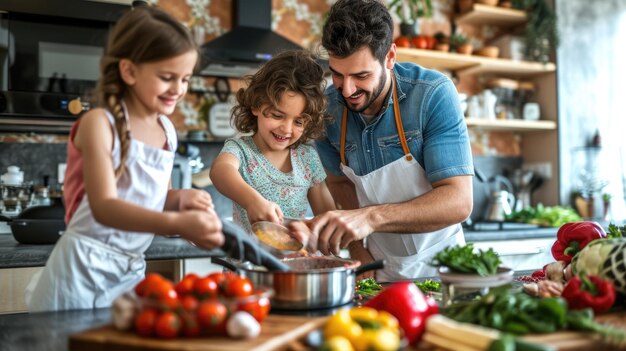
column 492, row 15
column 472, row 64
column 512, row 125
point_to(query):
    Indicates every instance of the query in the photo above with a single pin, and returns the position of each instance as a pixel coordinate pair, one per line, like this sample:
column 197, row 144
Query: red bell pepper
column 572, row 237
column 407, row 303
column 589, row 291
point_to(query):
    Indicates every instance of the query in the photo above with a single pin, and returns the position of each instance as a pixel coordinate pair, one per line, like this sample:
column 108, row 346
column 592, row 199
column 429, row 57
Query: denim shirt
column 433, row 124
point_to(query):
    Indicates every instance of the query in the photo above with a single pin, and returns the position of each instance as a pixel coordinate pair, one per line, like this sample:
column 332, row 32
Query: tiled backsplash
column 37, row 160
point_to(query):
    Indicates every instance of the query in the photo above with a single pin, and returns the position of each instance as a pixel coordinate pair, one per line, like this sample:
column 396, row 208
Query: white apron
column 406, row 255
column 91, row 265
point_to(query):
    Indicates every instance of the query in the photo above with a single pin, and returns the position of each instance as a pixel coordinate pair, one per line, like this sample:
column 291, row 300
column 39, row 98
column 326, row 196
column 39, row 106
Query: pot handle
column 225, row 263
column 374, row 265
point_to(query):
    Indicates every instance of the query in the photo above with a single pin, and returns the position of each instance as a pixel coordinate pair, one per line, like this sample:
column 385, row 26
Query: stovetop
column 499, row 226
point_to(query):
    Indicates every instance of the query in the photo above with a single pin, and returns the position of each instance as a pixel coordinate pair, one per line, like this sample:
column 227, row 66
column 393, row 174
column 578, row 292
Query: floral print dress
column 288, row 190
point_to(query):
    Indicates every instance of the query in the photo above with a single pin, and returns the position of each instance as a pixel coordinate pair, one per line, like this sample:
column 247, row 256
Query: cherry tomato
column 222, row 277
column 185, row 286
column 161, row 291
column 189, row 303
column 240, row 287
column 191, row 327
column 212, row 316
column 140, row 289
column 402, row 42
column 205, row 288
column 258, row 309
column 146, row 321
column 168, row 325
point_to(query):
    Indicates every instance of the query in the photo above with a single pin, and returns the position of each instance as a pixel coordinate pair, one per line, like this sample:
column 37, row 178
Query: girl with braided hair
column 120, row 159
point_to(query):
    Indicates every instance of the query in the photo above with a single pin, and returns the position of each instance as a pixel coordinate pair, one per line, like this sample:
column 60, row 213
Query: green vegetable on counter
column 464, row 259
column 429, row 285
column 554, row 216
column 520, row 314
column 616, row 232
column 368, row 287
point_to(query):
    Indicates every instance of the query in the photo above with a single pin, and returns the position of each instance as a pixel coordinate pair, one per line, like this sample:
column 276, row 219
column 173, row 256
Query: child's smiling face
column 160, row 85
column 282, row 126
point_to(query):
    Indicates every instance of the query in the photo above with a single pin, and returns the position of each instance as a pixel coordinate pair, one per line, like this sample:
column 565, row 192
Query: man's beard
column 370, row 97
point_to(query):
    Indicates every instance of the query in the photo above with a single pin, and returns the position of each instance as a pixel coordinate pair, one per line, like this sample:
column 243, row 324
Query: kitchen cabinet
column 521, row 255
column 538, row 139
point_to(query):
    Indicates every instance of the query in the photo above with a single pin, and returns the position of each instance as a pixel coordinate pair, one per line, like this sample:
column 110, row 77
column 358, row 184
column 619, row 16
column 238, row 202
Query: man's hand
column 337, row 229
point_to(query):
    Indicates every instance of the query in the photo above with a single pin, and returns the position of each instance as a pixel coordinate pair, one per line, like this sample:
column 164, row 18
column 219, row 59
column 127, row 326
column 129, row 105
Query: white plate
column 502, row 277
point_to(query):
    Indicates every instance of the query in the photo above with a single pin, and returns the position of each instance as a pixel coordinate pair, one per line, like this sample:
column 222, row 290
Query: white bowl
column 503, row 276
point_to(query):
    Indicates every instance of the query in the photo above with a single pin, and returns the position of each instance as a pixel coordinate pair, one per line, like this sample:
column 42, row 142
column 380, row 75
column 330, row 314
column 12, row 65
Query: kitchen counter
column 16, row 255
column 509, row 234
column 47, row 330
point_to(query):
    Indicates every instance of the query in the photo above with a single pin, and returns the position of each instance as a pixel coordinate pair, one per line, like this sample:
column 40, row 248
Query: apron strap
column 399, row 127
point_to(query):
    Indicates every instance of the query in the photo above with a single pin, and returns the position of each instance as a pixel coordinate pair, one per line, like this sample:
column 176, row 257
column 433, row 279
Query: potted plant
column 541, row 33
column 460, row 43
column 409, row 12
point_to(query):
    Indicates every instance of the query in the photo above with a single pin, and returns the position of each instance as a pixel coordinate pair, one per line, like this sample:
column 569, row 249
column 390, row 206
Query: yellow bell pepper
column 365, row 328
column 337, row 343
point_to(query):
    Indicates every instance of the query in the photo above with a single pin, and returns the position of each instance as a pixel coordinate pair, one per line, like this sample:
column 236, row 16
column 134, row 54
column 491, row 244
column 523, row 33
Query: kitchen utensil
column 499, row 206
column 239, row 245
column 38, row 224
column 311, row 283
column 275, row 236
column 501, row 199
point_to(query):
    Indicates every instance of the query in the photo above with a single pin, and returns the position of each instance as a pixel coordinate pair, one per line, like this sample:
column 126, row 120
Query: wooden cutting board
column 277, row 332
column 580, row 341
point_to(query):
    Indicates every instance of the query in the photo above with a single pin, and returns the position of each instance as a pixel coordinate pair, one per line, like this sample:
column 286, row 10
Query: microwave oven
column 50, row 53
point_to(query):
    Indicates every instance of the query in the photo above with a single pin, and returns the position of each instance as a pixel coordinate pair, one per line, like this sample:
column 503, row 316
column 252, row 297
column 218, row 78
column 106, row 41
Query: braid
column 112, row 89
column 144, row 34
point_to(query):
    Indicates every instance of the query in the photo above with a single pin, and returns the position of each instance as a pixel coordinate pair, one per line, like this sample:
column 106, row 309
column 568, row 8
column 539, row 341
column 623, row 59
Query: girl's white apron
column 91, row 264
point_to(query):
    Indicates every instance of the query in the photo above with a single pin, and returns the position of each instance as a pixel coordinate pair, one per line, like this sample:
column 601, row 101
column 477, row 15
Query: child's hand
column 203, row 228
column 194, row 199
column 301, row 232
column 265, row 211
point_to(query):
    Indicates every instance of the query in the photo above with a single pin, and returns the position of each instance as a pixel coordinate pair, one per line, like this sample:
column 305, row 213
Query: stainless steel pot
column 311, row 282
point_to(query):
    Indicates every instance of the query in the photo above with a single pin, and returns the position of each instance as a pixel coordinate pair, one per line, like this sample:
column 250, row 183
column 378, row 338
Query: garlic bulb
column 242, row 325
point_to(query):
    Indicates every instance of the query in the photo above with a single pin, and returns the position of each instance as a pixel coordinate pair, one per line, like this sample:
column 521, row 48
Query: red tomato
column 191, row 328
column 161, row 290
column 146, row 321
column 189, row 303
column 222, row 277
column 205, row 288
column 140, row 289
column 212, row 316
column 168, row 325
column 185, row 286
column 240, row 287
column 420, row 42
column 402, row 42
column 258, row 309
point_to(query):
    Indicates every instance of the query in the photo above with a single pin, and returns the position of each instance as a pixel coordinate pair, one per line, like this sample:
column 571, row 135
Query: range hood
column 250, row 43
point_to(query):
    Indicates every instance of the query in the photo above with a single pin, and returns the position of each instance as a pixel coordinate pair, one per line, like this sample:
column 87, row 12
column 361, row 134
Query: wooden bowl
column 488, row 2
column 489, row 51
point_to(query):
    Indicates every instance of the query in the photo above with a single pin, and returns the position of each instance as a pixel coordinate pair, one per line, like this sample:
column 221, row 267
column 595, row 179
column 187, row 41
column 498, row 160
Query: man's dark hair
column 351, row 24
